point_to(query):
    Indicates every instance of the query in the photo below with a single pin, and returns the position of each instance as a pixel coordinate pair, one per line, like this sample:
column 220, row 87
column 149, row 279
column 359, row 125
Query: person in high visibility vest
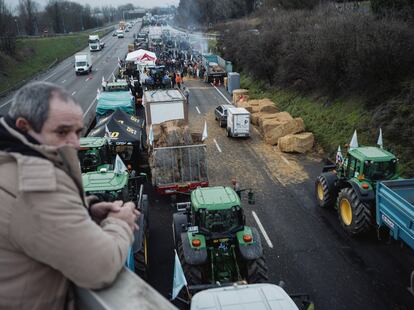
column 178, row 79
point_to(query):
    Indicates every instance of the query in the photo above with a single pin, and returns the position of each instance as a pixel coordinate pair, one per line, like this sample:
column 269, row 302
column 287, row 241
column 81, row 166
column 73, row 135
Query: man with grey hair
column 49, row 236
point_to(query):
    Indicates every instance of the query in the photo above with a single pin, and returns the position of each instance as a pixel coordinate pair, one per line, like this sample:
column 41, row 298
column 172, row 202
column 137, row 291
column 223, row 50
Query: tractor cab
column 94, row 154
column 369, row 164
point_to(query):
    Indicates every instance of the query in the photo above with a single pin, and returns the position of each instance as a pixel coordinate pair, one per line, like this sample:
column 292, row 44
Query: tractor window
column 89, row 159
column 351, row 166
column 380, row 170
column 222, row 220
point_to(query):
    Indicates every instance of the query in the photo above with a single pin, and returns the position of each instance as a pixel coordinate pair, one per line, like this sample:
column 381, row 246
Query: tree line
column 56, row 17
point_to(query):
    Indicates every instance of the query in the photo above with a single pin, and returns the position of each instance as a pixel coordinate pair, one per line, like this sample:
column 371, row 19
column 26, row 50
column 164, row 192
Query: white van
column 83, row 63
column 120, row 34
column 238, row 122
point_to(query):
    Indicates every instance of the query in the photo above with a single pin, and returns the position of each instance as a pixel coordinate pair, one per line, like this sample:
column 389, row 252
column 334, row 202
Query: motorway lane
column 307, row 250
column 84, row 87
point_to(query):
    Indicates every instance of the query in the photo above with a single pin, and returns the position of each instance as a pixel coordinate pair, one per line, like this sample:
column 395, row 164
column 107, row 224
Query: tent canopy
column 112, row 101
column 141, row 56
column 124, row 128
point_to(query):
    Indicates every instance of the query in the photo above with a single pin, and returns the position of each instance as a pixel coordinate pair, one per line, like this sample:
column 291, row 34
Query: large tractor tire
column 354, row 215
column 257, row 271
column 141, row 262
column 325, row 190
column 193, row 273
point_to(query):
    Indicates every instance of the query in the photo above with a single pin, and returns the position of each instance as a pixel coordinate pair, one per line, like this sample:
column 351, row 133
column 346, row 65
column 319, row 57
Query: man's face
column 64, row 124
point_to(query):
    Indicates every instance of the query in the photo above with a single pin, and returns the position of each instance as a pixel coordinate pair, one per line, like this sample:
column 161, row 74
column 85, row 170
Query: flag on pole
column 380, row 142
column 119, row 165
column 339, row 157
column 179, row 280
column 354, row 141
column 205, row 134
column 151, row 136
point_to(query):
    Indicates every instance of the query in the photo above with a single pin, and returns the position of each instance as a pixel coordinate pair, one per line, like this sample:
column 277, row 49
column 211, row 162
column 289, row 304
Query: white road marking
column 264, row 233
column 198, row 110
column 217, row 146
column 221, row 94
column 285, row 160
column 90, row 106
column 74, row 93
column 63, row 81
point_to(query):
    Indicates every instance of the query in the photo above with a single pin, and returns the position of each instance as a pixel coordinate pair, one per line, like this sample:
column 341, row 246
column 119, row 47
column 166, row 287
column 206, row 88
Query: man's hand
column 100, row 210
column 127, row 213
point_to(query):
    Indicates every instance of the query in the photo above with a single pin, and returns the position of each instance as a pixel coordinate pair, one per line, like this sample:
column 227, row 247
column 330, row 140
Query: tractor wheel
column 193, row 273
column 257, row 271
column 325, row 190
column 141, row 260
column 354, row 215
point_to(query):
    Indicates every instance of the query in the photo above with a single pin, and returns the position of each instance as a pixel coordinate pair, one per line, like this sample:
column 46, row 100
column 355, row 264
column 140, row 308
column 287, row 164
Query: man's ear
column 22, row 124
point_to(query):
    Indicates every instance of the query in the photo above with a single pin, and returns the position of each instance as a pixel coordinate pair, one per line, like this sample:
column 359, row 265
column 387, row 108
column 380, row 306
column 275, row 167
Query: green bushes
column 360, row 66
column 327, row 51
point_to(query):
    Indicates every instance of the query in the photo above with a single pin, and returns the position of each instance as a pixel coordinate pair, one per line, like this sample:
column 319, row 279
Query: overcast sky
column 99, row 3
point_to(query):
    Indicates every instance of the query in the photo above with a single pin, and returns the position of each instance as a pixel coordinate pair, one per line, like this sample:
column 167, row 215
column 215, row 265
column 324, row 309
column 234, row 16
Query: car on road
column 220, row 114
column 114, row 34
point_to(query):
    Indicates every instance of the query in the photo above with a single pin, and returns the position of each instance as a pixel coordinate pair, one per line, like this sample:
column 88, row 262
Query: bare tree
column 27, row 13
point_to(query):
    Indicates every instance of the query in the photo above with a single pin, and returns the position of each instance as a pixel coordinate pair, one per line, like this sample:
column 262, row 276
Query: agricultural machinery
column 213, row 242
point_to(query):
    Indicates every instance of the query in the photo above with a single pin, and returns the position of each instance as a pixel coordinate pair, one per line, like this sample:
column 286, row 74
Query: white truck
column 238, row 122
column 83, row 63
column 95, row 43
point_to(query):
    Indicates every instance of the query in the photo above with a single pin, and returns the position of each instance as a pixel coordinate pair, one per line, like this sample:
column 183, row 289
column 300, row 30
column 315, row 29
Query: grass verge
column 37, row 54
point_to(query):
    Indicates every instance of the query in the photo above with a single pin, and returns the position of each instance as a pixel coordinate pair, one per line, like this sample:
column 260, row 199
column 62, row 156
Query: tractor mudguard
column 331, row 179
column 139, row 234
column 253, row 250
column 366, row 196
column 330, row 167
column 193, row 256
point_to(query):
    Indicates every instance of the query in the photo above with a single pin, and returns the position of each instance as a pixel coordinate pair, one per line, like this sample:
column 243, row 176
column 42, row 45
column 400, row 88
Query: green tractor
column 350, row 185
column 94, row 154
column 212, row 241
column 111, row 186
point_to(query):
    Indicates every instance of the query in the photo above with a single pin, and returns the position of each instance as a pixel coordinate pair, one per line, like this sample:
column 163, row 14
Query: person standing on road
column 51, row 236
column 178, row 80
column 186, row 94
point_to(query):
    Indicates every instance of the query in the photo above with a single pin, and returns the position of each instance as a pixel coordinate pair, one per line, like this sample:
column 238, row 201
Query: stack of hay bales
column 275, row 125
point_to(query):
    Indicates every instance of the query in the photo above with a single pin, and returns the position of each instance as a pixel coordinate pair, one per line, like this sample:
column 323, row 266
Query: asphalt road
column 84, row 87
column 305, row 246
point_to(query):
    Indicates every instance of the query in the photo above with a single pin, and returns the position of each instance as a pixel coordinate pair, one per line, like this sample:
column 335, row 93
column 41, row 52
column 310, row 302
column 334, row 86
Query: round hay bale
column 296, row 143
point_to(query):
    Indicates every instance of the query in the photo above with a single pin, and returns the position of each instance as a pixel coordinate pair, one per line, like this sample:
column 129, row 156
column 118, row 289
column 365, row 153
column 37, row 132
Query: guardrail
column 128, row 292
